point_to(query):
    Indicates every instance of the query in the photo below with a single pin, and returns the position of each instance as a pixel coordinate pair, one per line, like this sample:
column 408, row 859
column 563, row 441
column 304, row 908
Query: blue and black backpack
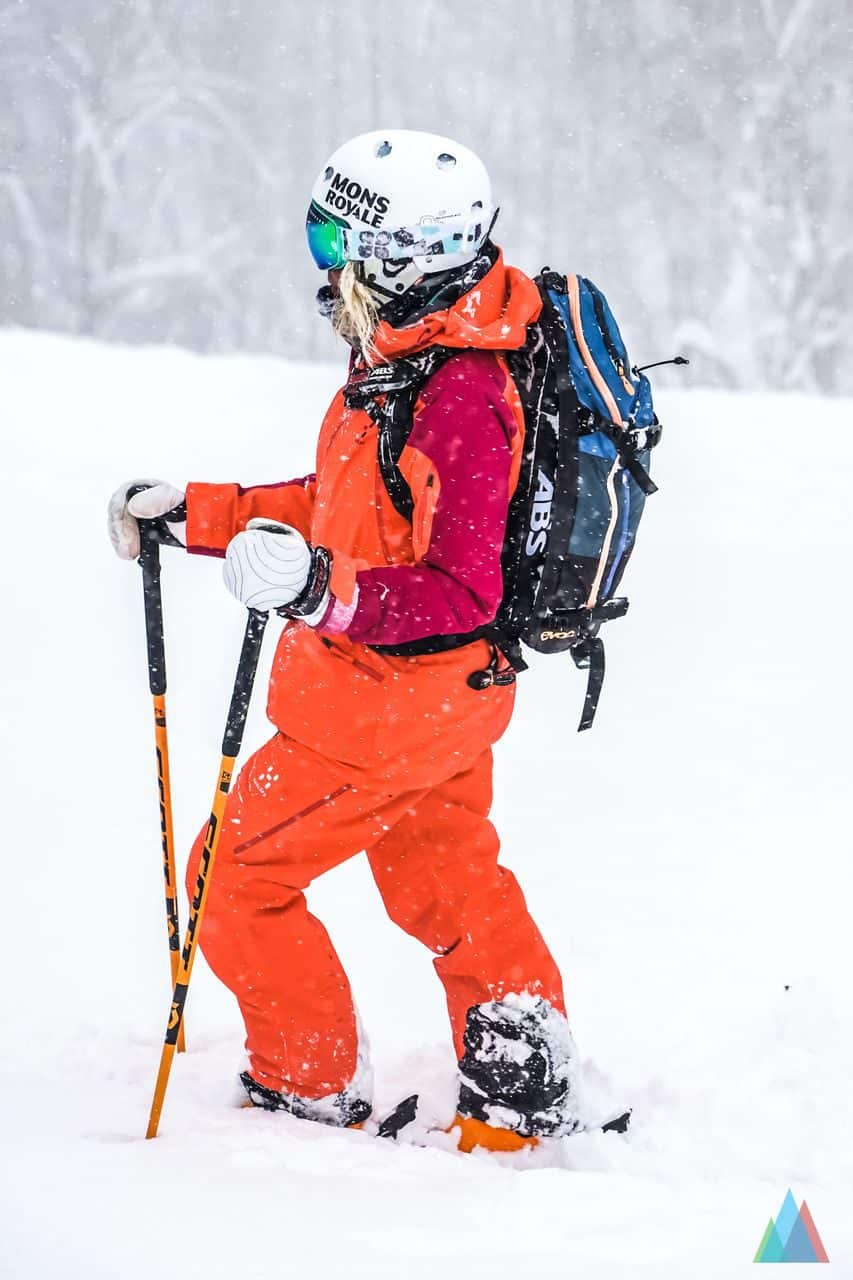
column 590, row 427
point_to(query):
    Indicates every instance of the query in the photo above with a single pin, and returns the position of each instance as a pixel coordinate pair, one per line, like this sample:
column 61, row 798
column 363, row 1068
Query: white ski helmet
column 404, row 203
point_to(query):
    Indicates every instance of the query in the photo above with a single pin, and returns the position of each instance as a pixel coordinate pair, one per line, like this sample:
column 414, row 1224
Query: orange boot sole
column 476, row 1133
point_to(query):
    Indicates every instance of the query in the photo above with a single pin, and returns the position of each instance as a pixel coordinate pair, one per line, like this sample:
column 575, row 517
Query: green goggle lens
column 325, row 238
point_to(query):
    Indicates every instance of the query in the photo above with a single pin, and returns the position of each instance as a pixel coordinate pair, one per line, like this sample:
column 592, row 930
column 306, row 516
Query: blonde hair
column 356, row 314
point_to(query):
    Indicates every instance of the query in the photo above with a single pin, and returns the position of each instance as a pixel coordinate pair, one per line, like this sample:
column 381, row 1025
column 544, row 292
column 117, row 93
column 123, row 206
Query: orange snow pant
column 294, row 814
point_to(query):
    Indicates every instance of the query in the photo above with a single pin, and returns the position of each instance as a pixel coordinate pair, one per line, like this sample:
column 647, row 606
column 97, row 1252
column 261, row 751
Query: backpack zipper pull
column 657, row 364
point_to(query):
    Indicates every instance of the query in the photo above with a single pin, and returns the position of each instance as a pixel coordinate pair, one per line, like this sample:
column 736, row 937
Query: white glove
column 269, row 565
column 155, row 501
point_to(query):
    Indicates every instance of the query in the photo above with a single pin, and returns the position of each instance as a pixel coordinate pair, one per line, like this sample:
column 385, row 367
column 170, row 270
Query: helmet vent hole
column 478, row 204
column 327, row 176
column 383, row 149
column 445, row 160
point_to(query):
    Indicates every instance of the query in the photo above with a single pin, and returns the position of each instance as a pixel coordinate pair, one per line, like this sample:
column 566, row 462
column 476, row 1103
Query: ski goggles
column 332, row 242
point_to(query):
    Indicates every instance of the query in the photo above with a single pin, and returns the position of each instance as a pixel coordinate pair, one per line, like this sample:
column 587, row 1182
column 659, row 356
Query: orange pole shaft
column 187, row 957
column 164, row 787
column 231, row 741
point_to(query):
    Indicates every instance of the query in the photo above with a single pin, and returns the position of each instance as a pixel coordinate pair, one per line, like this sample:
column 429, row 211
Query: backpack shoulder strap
column 394, row 420
column 394, row 416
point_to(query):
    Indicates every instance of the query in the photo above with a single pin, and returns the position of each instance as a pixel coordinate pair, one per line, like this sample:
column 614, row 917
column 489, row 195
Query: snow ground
column 688, row 861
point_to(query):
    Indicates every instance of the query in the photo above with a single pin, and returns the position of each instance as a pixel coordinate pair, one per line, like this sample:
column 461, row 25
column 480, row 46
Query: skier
column 383, row 741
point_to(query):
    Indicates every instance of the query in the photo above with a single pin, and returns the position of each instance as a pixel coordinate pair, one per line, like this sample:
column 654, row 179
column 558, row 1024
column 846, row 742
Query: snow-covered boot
column 345, row 1109
column 518, row 1075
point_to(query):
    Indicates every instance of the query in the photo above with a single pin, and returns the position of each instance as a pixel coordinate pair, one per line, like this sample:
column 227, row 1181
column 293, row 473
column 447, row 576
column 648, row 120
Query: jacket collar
column 492, row 316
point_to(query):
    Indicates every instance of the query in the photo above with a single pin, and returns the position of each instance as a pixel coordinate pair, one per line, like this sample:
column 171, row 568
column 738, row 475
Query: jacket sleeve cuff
column 211, row 518
column 342, row 581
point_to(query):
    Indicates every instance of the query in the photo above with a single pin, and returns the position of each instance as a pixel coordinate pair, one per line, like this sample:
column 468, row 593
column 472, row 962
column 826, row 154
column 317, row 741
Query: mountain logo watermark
column 793, row 1237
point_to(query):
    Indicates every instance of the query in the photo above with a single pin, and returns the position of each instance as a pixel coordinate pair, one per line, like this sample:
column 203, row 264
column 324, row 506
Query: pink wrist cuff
column 338, row 616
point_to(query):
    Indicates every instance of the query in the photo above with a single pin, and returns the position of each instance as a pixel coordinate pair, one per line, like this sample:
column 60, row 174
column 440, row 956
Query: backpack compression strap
column 589, row 656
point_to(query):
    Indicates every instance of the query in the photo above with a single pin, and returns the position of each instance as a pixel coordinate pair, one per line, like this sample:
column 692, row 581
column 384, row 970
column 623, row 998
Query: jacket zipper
column 368, row 671
column 355, row 662
column 295, row 817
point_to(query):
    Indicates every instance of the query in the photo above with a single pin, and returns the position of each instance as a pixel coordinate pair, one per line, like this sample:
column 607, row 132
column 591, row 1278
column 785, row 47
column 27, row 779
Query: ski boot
column 518, row 1076
column 343, row 1110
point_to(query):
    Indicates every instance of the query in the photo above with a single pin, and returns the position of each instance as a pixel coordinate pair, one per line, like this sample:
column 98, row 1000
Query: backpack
column 589, row 428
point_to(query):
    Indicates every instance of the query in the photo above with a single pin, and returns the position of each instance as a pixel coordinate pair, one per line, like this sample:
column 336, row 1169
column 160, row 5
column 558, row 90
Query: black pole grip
column 243, row 682
column 149, row 561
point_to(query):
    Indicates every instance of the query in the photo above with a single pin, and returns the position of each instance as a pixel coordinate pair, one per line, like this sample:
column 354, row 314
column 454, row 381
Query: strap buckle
column 494, row 673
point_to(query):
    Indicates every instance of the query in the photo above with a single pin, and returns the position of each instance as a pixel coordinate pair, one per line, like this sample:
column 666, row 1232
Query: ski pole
column 231, row 742
column 149, row 560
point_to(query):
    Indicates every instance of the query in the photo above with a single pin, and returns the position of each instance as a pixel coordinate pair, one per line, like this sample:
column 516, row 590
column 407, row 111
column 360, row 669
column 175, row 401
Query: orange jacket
column 393, row 580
